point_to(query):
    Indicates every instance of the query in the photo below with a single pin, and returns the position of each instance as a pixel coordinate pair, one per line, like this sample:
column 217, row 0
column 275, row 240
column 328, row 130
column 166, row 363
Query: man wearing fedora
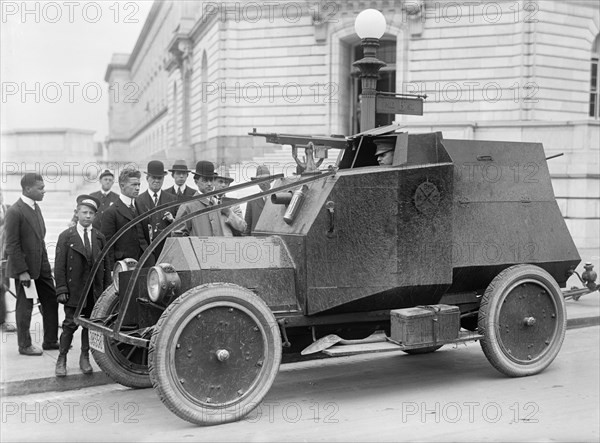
column 154, row 196
column 255, row 207
column 233, row 216
column 209, row 224
column 180, row 173
column 132, row 243
column 77, row 250
column 106, row 197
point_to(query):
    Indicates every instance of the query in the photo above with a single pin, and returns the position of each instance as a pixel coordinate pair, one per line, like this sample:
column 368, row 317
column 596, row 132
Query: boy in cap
column 255, row 207
column 154, row 196
column 77, row 249
column 180, row 173
column 105, row 195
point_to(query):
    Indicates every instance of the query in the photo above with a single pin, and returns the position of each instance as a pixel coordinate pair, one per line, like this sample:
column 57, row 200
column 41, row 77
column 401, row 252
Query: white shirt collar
column 182, row 188
column 30, row 202
column 151, row 193
column 128, row 201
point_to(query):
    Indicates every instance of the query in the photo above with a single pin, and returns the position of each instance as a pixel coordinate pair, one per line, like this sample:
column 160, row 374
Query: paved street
column 452, row 395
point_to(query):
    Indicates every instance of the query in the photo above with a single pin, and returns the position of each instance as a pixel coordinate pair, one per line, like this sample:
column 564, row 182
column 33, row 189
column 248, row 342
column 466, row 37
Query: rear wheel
column 523, row 320
column 215, row 353
column 124, row 363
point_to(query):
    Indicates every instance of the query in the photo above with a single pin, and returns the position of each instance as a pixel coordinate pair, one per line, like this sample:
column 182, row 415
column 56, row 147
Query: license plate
column 96, row 341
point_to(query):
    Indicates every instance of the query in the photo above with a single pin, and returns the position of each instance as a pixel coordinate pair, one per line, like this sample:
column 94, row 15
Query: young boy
column 77, row 250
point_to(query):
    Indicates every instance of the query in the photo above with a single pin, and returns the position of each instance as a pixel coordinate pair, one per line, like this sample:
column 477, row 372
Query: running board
column 389, row 346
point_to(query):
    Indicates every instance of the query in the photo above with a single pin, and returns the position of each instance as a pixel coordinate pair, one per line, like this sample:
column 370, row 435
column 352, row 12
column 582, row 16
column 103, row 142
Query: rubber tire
column 106, row 305
column 161, row 347
column 425, row 350
column 490, row 307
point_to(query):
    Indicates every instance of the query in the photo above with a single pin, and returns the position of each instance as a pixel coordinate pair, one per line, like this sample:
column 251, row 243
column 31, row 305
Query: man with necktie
column 154, row 196
column 255, row 207
column 77, row 250
column 28, row 261
column 106, row 197
column 180, row 173
column 132, row 243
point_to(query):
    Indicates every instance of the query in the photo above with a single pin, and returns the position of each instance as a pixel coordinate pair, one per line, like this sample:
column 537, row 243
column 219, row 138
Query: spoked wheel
column 214, row 353
column 523, row 320
column 425, row 350
column 124, row 363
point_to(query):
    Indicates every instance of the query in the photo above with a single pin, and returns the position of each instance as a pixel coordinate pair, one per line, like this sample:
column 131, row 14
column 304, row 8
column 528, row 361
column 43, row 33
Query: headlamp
column 162, row 282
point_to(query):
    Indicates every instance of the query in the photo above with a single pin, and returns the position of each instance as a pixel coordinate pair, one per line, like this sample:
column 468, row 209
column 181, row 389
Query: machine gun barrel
column 293, row 140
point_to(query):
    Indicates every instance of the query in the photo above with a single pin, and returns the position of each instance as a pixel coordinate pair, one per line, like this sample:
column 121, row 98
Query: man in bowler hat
column 154, row 196
column 255, row 207
column 77, row 250
column 28, row 261
column 232, row 216
column 180, row 173
column 213, row 224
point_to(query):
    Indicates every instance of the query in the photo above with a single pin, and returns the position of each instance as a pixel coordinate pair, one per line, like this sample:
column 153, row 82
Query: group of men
column 97, row 218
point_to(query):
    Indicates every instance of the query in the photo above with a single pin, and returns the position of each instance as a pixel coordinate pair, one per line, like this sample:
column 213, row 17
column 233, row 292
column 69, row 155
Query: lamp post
column 369, row 26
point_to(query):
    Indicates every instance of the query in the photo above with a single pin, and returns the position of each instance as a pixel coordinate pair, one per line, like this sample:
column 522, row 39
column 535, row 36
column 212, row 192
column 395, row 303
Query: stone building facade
column 203, row 74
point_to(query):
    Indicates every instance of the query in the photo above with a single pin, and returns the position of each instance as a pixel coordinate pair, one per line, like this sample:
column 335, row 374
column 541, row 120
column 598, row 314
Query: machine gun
column 314, row 146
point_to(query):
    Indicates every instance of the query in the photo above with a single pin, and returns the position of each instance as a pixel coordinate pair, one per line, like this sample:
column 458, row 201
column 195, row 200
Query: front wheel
column 124, row 363
column 523, row 320
column 215, row 353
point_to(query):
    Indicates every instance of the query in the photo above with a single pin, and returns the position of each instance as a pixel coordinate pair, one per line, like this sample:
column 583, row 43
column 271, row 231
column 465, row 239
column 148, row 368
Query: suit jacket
column 189, row 192
column 132, row 243
column 25, row 246
column 72, row 268
column 155, row 223
column 253, row 210
column 105, row 203
column 214, row 224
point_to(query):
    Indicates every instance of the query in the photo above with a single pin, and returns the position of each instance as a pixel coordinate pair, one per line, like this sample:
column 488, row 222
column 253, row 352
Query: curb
column 80, row 381
column 47, row 384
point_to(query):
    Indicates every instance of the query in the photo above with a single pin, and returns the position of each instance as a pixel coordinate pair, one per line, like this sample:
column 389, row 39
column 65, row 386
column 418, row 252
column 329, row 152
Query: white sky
column 76, row 46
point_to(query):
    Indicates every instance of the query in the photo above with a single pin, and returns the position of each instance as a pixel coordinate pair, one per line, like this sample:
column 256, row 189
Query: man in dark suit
column 254, row 208
column 133, row 242
column 77, row 250
column 154, row 196
column 180, row 174
column 233, row 216
column 27, row 261
column 106, row 197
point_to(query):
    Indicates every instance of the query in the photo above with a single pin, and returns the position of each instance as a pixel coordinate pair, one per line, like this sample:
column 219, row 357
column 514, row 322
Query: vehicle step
column 341, row 350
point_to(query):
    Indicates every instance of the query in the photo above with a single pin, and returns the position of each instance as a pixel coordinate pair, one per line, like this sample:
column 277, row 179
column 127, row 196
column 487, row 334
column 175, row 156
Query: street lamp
column 369, row 26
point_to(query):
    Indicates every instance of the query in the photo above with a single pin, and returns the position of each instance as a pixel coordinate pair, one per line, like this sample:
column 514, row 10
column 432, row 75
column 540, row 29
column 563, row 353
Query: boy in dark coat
column 77, row 250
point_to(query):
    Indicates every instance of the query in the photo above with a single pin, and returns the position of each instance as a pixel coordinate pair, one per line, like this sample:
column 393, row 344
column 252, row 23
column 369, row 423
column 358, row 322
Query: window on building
column 594, row 83
column 386, row 83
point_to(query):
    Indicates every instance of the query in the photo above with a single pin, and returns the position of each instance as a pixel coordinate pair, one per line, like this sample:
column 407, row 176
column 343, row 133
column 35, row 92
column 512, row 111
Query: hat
column 179, row 166
column 262, row 171
column 89, row 201
column 204, row 169
column 156, row 167
column 105, row 173
column 384, row 145
column 223, row 172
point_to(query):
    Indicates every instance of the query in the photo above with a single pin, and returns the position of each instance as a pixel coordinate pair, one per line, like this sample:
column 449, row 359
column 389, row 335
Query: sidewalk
column 20, row 375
